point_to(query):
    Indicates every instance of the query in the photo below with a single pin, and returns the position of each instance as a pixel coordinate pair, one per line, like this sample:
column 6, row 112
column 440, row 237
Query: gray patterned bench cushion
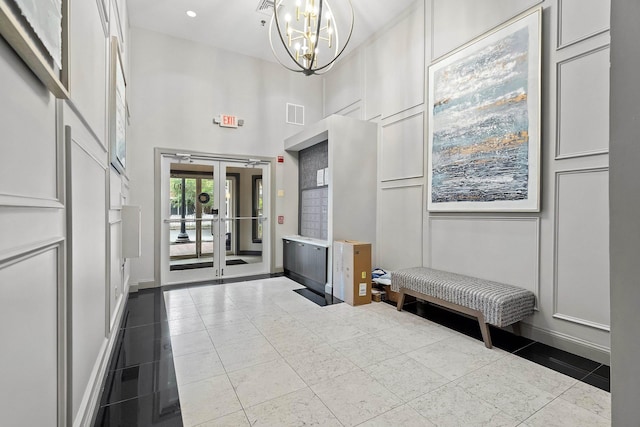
column 501, row 304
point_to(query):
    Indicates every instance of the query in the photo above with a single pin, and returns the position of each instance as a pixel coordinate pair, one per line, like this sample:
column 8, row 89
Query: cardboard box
column 352, row 271
column 377, row 295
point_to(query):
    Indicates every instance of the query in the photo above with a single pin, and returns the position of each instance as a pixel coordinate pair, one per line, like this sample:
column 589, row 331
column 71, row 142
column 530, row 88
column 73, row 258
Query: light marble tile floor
column 257, row 354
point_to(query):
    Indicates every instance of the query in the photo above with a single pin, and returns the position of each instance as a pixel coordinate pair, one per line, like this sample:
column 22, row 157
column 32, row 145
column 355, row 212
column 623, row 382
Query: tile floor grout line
column 225, row 370
column 591, row 373
column 365, row 334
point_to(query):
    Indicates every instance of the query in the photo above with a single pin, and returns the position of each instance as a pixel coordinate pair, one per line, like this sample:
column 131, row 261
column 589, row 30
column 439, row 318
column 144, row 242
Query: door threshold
column 222, row 281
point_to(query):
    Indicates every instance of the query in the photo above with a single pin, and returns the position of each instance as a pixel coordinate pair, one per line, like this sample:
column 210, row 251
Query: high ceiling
column 235, row 25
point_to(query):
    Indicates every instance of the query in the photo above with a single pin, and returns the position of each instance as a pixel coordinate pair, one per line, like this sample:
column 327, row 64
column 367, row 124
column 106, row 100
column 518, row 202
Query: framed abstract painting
column 484, row 122
column 38, row 31
column 118, row 112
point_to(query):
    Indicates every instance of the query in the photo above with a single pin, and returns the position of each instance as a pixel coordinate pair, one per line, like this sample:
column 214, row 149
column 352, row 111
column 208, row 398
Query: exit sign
column 228, row 121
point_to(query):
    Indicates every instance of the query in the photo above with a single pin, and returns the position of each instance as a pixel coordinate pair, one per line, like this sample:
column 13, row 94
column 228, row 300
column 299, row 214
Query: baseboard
column 595, row 352
column 146, row 285
column 250, row 253
column 90, row 402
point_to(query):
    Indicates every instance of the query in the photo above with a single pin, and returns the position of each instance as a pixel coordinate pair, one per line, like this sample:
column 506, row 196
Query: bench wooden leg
column 484, row 329
column 400, row 300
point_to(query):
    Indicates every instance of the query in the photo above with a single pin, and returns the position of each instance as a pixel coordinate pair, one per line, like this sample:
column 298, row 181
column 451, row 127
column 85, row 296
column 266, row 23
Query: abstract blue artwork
column 484, row 126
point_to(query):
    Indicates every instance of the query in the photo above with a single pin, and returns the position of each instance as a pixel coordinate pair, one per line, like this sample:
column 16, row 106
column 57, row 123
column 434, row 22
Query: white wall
column 560, row 253
column 625, row 211
column 57, row 299
column 178, row 87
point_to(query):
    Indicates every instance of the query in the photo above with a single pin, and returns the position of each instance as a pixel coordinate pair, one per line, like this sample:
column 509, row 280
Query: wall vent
column 265, row 7
column 295, row 114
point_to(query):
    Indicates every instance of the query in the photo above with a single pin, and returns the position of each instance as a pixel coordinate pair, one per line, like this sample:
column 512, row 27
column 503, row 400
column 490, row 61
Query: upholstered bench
column 490, row 302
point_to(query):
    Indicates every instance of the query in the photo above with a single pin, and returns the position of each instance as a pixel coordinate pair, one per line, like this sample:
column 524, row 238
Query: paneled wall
column 32, row 248
column 62, row 283
column 561, row 253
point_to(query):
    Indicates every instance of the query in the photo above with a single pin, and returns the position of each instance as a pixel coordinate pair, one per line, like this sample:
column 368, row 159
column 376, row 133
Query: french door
column 214, row 222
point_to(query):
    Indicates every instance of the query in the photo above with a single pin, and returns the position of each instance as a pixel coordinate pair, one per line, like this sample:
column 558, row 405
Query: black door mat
column 321, row 300
column 235, row 262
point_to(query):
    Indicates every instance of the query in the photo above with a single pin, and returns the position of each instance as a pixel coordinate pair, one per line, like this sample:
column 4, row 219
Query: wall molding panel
column 583, row 322
column 354, row 111
column 30, row 250
column 115, row 276
column 582, row 105
column 579, row 286
column 41, row 324
column 87, row 263
column 402, row 148
column 89, row 66
column 104, row 7
column 87, row 127
column 483, row 16
column 30, row 202
column 56, row 200
column 17, row 186
column 400, row 226
column 337, row 95
column 499, row 248
column 394, row 71
column 84, row 137
column 594, row 16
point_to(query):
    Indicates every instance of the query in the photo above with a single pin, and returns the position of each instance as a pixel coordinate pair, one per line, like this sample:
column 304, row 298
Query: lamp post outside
column 183, row 237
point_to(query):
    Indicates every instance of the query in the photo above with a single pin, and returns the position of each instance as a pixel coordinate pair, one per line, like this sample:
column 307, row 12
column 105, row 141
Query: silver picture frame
column 118, row 111
column 484, row 122
column 23, row 38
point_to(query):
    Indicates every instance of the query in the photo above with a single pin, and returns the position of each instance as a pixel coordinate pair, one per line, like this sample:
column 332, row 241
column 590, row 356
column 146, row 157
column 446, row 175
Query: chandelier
column 308, row 33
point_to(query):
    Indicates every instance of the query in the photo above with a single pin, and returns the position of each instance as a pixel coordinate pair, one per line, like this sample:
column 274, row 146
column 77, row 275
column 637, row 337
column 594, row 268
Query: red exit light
column 228, row 121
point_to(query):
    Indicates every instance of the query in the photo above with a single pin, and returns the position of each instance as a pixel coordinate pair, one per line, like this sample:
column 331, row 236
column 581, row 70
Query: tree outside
column 190, row 194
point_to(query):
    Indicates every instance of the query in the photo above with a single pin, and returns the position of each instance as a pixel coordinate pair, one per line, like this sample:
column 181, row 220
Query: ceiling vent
column 265, row 7
column 295, row 114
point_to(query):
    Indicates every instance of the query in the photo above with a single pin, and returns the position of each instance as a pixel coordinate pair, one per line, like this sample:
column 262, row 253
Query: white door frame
column 161, row 265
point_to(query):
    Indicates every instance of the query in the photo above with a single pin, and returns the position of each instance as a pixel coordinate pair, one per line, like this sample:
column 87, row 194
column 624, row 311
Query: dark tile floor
column 577, row 367
column 141, row 389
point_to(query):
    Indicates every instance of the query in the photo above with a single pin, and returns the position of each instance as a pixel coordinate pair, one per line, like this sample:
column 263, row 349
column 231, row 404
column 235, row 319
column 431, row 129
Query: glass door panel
column 244, row 218
column 213, row 221
column 188, row 201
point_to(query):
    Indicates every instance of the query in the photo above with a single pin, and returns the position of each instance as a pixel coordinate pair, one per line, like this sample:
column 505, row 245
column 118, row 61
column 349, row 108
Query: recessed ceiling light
column 191, row 14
